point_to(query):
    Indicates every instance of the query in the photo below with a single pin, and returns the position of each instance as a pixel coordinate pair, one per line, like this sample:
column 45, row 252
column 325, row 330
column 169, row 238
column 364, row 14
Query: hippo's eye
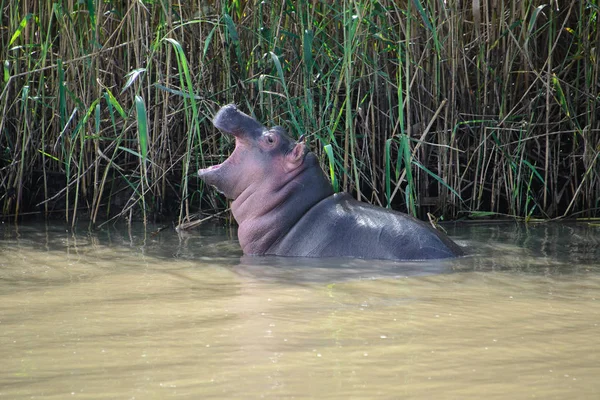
column 270, row 139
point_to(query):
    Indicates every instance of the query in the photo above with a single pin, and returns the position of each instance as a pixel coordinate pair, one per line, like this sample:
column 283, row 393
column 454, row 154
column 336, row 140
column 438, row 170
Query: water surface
column 120, row 313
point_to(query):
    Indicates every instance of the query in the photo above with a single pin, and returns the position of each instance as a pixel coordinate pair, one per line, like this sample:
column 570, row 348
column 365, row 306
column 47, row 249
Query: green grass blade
column 142, row 121
column 6, row 71
column 437, row 178
column 535, row 171
column 406, row 154
column 208, row 41
column 307, row 44
column 235, row 39
column 62, row 95
column 19, row 30
column 281, row 76
column 388, row 177
column 115, row 103
column 329, row 151
column 97, row 120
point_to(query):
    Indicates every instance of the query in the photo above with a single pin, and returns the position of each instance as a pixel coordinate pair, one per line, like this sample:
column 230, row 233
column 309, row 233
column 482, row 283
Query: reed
column 457, row 109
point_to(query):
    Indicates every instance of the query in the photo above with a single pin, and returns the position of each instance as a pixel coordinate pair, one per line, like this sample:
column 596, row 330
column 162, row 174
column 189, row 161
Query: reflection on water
column 120, row 313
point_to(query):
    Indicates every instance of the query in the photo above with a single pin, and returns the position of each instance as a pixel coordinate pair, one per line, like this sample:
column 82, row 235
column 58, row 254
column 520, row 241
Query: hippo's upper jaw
column 245, row 128
column 231, row 120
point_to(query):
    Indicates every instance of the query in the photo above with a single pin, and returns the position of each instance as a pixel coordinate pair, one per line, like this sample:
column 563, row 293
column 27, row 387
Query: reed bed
column 448, row 108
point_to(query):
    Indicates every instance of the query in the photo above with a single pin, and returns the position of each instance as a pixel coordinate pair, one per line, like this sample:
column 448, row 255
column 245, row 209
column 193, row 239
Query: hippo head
column 261, row 156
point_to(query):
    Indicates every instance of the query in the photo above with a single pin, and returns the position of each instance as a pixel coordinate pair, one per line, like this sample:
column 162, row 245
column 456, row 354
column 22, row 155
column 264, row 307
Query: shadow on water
column 308, row 270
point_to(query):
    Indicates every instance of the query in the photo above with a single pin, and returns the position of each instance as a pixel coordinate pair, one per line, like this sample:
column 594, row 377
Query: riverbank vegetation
column 457, row 109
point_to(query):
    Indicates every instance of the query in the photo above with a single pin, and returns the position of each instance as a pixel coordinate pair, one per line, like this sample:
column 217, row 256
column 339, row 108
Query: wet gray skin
column 285, row 205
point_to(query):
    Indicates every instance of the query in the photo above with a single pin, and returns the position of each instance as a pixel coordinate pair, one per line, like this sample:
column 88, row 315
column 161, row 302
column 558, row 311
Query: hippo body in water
column 285, row 205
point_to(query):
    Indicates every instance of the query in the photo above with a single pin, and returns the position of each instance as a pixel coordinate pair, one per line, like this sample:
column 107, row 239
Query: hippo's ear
column 295, row 158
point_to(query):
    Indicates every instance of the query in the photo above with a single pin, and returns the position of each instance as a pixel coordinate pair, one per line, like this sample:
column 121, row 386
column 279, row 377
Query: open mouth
column 206, row 172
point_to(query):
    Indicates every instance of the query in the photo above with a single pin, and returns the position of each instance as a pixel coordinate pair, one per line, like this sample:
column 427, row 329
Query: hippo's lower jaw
column 203, row 172
column 206, row 173
column 211, row 175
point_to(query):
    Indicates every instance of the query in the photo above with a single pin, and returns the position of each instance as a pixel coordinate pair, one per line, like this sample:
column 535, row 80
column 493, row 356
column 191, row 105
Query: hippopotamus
column 285, row 205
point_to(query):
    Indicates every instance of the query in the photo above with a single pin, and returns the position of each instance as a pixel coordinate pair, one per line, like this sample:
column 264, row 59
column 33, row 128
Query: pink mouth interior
column 217, row 166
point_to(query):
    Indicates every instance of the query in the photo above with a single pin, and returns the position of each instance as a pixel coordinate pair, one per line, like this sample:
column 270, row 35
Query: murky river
column 122, row 314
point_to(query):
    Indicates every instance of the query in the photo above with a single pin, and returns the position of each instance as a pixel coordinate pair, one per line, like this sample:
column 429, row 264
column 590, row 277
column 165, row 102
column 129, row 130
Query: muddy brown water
column 123, row 314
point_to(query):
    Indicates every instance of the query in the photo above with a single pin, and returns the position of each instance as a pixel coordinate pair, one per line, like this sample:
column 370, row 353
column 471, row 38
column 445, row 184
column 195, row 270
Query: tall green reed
column 424, row 106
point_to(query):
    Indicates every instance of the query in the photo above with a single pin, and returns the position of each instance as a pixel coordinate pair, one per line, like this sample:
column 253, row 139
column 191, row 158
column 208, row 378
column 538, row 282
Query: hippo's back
column 340, row 226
